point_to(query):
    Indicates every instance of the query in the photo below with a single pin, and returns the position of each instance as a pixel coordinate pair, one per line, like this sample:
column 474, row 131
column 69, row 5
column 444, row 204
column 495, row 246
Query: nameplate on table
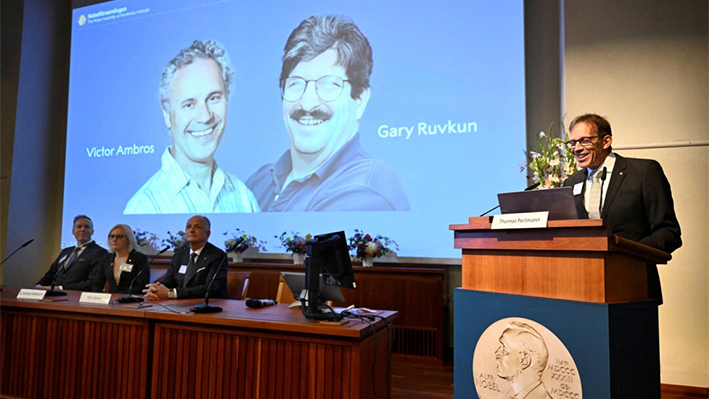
column 27, row 293
column 93, row 297
column 527, row 220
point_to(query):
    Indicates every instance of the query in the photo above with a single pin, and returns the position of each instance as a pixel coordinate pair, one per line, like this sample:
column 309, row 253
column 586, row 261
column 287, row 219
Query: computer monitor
column 328, row 255
column 296, row 283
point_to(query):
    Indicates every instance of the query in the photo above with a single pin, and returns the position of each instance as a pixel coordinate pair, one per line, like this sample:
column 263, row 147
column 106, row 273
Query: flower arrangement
column 147, row 239
column 364, row 244
column 176, row 241
column 239, row 241
column 552, row 162
column 297, row 244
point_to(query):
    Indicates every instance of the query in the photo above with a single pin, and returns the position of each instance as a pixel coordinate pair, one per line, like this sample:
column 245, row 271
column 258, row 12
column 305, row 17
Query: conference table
column 61, row 348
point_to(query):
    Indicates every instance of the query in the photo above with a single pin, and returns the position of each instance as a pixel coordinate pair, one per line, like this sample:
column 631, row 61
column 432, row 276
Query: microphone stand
column 532, row 187
column 206, row 307
column 603, row 182
column 52, row 291
column 130, row 298
column 13, row 252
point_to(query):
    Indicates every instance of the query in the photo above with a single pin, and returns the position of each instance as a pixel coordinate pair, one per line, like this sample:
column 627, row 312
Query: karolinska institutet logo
column 517, row 358
column 82, row 20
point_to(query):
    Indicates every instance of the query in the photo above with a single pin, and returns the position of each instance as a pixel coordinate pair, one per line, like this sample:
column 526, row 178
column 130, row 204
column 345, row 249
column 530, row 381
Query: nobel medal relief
column 520, row 358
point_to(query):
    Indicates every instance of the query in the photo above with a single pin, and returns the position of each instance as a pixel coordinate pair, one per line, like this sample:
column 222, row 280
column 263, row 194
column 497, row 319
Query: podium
column 583, row 288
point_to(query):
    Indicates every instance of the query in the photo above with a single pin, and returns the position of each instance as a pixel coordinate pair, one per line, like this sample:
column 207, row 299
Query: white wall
column 643, row 64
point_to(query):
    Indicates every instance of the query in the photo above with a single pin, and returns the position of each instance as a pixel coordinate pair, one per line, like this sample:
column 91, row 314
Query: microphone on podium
column 532, row 187
column 260, row 303
column 130, row 298
column 13, row 252
column 52, row 291
column 206, row 307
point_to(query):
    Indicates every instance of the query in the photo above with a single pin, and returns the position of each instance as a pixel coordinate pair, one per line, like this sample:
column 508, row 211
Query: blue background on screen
column 434, row 62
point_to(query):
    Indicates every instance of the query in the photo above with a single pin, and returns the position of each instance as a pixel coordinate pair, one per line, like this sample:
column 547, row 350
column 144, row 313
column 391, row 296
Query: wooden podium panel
column 65, row 349
column 60, row 354
column 570, row 259
column 417, row 291
column 590, row 290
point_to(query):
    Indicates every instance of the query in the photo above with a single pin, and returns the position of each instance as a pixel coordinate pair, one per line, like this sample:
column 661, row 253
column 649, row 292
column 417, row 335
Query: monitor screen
column 329, row 253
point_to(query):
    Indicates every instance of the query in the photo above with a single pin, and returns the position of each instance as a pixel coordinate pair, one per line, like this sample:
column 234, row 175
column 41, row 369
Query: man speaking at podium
column 633, row 195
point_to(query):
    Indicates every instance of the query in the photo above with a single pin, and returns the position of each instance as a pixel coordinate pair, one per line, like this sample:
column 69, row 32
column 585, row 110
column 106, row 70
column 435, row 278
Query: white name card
column 93, row 297
column 528, row 220
column 27, row 293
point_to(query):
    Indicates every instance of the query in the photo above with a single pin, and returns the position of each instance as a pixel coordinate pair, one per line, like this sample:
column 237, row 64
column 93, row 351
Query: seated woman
column 122, row 264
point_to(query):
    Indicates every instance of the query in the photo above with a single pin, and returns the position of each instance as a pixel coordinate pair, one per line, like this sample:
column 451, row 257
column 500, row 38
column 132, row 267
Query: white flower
column 535, row 155
column 542, row 135
column 554, row 162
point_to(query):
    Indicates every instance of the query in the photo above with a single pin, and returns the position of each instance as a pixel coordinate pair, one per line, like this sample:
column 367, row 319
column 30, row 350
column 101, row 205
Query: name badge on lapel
column 578, row 187
column 183, row 269
column 126, row 267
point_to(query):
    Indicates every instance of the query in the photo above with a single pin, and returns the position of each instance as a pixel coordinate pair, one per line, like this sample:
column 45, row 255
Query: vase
column 238, row 257
column 368, row 261
column 298, row 259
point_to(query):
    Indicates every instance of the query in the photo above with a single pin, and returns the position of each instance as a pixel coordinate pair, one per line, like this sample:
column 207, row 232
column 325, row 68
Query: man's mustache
column 315, row 114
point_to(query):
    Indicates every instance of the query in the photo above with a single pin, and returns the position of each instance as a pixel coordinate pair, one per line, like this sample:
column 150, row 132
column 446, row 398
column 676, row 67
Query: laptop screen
column 558, row 201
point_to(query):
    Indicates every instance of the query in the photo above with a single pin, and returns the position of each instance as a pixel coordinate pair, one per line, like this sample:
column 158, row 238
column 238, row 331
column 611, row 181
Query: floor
column 416, row 380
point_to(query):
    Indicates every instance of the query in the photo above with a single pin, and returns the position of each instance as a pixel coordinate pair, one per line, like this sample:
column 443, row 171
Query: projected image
column 325, row 91
column 306, row 116
column 194, row 91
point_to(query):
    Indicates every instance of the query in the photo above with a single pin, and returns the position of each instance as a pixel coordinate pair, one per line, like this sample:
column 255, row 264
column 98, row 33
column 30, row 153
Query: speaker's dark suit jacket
column 638, row 206
column 194, row 283
column 78, row 274
column 104, row 273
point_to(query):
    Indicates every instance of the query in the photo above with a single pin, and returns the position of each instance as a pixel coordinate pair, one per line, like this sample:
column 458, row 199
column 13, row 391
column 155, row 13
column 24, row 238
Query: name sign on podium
column 527, row 220
column 92, row 297
column 27, row 293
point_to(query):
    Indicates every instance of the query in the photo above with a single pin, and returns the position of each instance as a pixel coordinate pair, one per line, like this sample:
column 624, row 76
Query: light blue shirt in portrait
column 173, row 190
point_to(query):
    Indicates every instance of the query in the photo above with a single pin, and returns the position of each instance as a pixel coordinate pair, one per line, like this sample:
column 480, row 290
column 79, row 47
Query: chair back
column 284, row 295
column 237, row 284
column 157, row 275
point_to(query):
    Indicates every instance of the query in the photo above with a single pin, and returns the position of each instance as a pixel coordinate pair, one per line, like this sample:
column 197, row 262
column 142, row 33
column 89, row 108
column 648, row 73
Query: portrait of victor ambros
column 324, row 82
column 194, row 91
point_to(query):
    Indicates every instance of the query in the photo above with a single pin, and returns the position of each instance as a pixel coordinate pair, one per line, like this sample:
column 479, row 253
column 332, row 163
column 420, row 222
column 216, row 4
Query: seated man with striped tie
column 193, row 267
column 73, row 267
column 632, row 194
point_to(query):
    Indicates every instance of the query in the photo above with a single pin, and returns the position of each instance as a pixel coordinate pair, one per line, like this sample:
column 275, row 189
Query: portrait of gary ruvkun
column 324, row 82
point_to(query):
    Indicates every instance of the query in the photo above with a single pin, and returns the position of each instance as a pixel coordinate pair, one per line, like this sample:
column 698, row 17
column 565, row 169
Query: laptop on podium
column 558, row 201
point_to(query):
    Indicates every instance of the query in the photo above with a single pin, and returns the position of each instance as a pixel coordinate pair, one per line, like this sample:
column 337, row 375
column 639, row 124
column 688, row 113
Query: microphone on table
column 13, row 252
column 130, row 298
column 532, row 187
column 206, row 307
column 52, row 291
column 259, row 303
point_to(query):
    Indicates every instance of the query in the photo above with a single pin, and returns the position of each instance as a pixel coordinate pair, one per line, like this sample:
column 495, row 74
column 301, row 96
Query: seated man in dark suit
column 73, row 267
column 192, row 268
column 632, row 194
